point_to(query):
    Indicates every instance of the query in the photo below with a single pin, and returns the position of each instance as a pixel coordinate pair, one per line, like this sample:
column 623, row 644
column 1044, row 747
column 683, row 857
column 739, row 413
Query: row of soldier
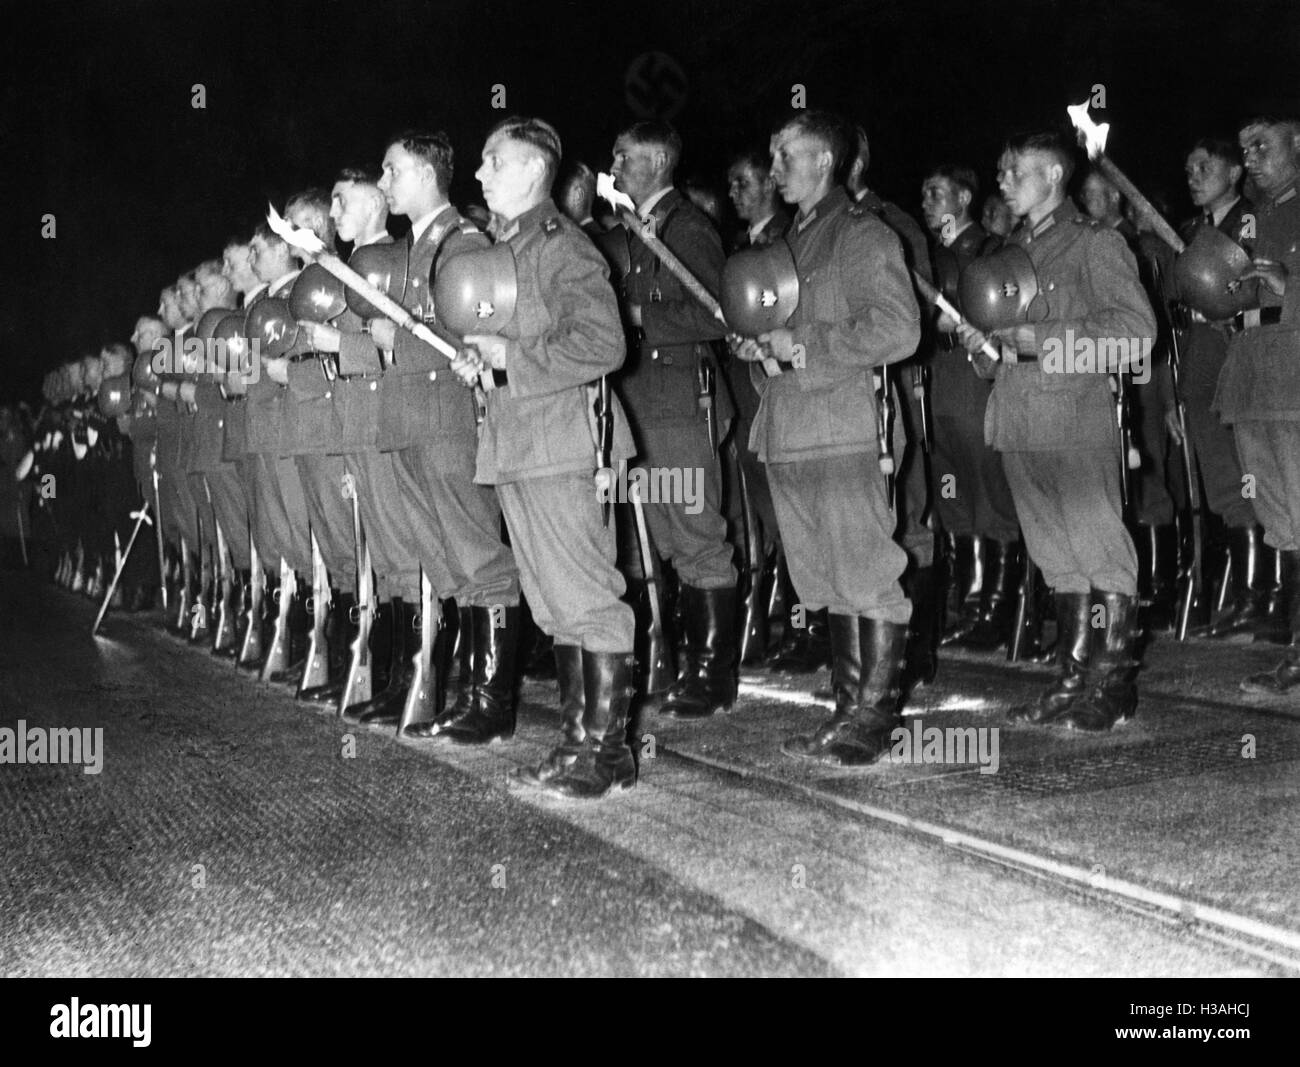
column 418, row 497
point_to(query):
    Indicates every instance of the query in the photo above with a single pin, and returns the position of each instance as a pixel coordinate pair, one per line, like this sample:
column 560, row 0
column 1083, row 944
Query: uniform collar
column 281, row 283
column 420, row 226
column 644, row 210
column 834, row 202
column 530, row 219
column 1217, row 217
column 1064, row 210
column 756, row 230
column 951, row 240
column 1288, row 193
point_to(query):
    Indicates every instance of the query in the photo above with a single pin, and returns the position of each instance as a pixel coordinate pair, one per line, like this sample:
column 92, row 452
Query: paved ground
column 233, row 832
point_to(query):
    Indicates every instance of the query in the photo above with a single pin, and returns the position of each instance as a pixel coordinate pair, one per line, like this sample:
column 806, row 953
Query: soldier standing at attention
column 816, row 431
column 537, row 449
column 1057, row 434
column 1259, row 390
column 662, row 387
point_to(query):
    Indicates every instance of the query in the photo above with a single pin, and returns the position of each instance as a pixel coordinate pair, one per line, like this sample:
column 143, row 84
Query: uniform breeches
column 970, row 487
column 386, row 524
column 1270, row 455
column 330, row 514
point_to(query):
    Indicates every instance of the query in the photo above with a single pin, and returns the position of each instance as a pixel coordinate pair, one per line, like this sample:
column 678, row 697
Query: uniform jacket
column 207, row 428
column 1088, row 283
column 264, row 408
column 857, row 310
column 421, row 401
column 1261, row 378
column 566, row 334
column 658, row 383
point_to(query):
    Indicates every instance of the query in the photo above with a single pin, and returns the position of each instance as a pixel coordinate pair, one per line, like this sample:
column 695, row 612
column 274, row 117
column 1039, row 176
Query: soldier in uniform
column 996, row 217
column 1259, row 389
column 430, row 421
column 1054, row 424
column 753, row 195
column 1214, row 174
column 537, row 449
column 815, row 430
column 972, row 499
column 678, row 417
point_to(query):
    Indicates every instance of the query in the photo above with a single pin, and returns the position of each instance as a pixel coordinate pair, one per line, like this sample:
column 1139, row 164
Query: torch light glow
column 606, row 191
column 1094, row 135
column 302, row 239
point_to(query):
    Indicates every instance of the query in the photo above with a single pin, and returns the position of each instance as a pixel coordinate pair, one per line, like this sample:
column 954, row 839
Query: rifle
column 317, row 671
column 251, row 650
column 1024, row 634
column 357, row 688
column 885, row 431
column 141, row 516
column 753, row 637
column 420, row 705
column 921, row 392
column 162, row 551
column 706, row 396
column 659, row 670
column 1129, row 459
column 199, row 610
column 603, row 432
column 185, row 600
column 225, row 633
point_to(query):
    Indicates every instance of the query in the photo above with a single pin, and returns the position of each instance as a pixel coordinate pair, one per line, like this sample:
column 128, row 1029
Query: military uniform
column 816, row 431
column 1259, row 394
column 1055, row 427
column 660, row 384
column 537, row 448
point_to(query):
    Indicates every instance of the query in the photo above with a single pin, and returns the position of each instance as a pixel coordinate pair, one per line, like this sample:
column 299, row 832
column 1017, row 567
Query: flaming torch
column 308, row 242
column 1093, row 138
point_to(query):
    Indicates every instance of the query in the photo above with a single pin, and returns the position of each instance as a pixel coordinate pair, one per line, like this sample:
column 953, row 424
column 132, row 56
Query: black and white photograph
column 696, row 488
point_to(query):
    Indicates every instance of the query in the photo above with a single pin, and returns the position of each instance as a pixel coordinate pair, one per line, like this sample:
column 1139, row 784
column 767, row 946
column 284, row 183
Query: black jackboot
column 568, row 671
column 494, row 674
column 1250, row 585
column 997, row 598
column 708, row 681
column 1274, row 627
column 1112, row 690
column 1285, row 677
column 604, row 762
column 966, row 581
column 385, row 707
column 925, row 628
column 299, row 637
column 755, row 633
column 866, row 668
column 803, row 649
column 339, row 634
column 1073, row 648
column 1158, row 575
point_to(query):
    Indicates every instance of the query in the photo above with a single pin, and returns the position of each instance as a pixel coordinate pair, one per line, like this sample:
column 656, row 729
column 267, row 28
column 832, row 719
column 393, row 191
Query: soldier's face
column 352, row 207
column 169, row 308
column 113, row 362
column 1209, row 177
column 237, row 265
column 1025, row 181
column 1099, row 199
column 215, row 291
column 187, row 298
column 750, row 191
column 799, row 165
column 269, row 258
column 404, row 180
column 997, row 217
column 148, row 332
column 92, row 372
column 311, row 217
column 637, row 169
column 942, row 203
column 508, row 174
column 1269, row 154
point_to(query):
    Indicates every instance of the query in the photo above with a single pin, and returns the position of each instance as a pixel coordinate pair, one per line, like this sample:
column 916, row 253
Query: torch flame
column 301, row 239
column 1094, row 136
column 606, row 191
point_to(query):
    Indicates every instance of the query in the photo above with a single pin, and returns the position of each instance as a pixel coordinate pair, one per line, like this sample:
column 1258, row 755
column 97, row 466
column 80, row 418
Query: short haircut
column 268, row 235
column 364, row 175
column 1219, row 148
column 1048, row 142
column 828, row 128
column 1101, row 176
column 960, row 175
column 120, row 349
column 577, row 173
column 208, row 266
column 659, row 134
column 313, row 197
column 539, row 135
column 432, row 147
column 1291, row 123
column 236, row 242
column 756, row 158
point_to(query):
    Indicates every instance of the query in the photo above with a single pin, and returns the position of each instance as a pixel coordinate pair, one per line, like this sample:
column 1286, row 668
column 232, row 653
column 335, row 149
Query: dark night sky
column 98, row 126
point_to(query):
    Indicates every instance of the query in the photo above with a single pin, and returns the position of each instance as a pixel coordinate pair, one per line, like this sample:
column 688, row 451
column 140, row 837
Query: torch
column 1093, row 138
column 309, row 243
column 626, row 211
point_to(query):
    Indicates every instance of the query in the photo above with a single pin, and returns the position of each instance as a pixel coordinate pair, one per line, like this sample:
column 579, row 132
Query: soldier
column 1214, row 173
column 430, row 421
column 577, row 197
column 537, row 449
column 753, row 194
column 913, row 523
column 815, row 430
column 1152, row 506
column 996, row 217
column 1056, row 430
column 677, row 416
column 1259, row 390
column 973, row 500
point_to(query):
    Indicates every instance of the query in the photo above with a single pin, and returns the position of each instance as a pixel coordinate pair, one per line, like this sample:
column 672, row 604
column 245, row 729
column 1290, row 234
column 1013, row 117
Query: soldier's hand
column 467, row 366
column 945, row 323
column 779, row 344
column 971, row 339
column 490, row 347
column 236, row 384
column 1171, row 425
column 384, row 331
column 984, row 365
column 634, row 314
column 1270, row 272
column 747, row 349
column 320, row 337
column 277, row 369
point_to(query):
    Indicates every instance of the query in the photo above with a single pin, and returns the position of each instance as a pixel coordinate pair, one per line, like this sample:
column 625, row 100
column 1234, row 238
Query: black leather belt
column 1246, row 320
